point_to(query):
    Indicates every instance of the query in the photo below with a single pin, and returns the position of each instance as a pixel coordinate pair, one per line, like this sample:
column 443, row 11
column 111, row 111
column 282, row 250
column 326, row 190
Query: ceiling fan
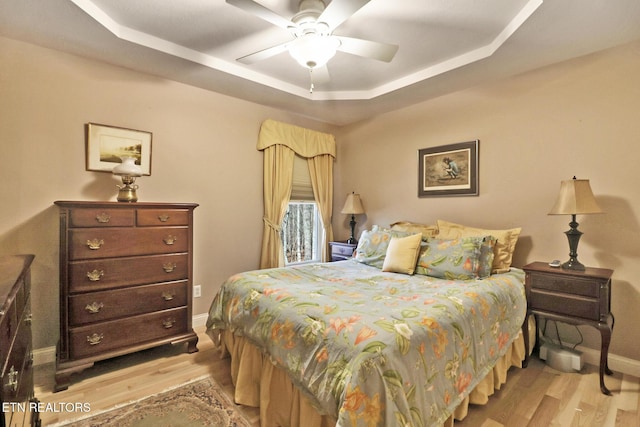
column 314, row 43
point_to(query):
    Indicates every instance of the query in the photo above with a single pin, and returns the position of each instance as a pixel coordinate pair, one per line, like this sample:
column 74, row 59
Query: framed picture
column 448, row 170
column 106, row 145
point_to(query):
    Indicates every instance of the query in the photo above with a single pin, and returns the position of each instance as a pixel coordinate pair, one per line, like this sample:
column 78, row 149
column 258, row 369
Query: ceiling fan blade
column 263, row 54
column 339, row 11
column 368, row 49
column 320, row 75
column 262, row 12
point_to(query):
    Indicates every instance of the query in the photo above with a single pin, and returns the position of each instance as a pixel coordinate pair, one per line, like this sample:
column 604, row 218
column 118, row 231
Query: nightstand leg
column 605, row 332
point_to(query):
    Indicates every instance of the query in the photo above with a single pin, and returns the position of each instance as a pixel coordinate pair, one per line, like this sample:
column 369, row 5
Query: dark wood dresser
column 16, row 395
column 125, row 281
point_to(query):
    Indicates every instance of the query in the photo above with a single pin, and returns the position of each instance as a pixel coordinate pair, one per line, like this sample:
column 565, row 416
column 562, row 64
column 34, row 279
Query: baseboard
column 616, row 363
column 42, row 356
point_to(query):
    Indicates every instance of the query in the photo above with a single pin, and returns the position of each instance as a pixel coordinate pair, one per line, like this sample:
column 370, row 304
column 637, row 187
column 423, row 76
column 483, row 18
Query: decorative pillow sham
column 412, row 227
column 455, row 259
column 485, row 263
column 402, row 254
column 505, row 241
column 373, row 244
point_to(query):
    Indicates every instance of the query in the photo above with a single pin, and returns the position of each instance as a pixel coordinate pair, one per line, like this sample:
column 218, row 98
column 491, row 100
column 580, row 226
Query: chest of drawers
column 16, row 357
column 125, row 281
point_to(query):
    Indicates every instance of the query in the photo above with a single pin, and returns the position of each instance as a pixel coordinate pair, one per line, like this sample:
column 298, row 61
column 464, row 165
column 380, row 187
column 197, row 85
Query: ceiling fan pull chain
column 311, row 80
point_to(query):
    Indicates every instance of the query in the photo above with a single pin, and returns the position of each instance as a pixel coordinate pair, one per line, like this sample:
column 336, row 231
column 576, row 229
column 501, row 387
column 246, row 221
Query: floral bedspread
column 373, row 348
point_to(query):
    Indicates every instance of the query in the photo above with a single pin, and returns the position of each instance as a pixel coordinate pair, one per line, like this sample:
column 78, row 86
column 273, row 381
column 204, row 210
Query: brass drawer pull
column 12, row 384
column 168, row 323
column 95, row 275
column 103, row 218
column 95, row 244
column 95, row 339
column 170, row 240
column 168, row 296
column 94, row 307
column 168, row 267
column 28, row 319
column 163, row 218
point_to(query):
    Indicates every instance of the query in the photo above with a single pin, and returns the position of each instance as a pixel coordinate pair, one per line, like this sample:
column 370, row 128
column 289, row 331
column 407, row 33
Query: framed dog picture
column 448, row 170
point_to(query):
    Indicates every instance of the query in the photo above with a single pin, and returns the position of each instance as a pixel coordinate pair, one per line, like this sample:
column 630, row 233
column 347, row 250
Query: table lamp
column 128, row 171
column 353, row 207
column 575, row 198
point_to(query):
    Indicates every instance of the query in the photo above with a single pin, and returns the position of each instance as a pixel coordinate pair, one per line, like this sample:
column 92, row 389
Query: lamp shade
column 128, row 167
column 353, row 205
column 575, row 198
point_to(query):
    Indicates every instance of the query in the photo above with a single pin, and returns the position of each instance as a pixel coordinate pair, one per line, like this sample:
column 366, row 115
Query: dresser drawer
column 119, row 242
column 108, row 305
column 95, row 339
column 95, row 275
column 13, row 371
column 158, row 217
column 8, row 326
column 571, row 285
column 101, row 218
column 565, row 304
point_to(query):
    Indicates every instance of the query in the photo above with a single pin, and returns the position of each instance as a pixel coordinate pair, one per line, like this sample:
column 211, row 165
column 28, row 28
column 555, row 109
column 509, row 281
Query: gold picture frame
column 449, row 170
column 105, row 145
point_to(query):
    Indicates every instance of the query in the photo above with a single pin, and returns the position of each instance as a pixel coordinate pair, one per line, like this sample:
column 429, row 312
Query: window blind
column 301, row 187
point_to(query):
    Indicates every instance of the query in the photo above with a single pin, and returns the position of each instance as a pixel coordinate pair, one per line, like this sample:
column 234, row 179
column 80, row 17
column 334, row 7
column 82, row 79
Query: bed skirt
column 258, row 383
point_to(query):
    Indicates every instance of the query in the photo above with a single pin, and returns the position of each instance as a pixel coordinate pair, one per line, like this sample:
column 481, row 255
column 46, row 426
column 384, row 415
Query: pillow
column 455, row 259
column 485, row 262
column 402, row 254
column 503, row 249
column 373, row 244
column 412, row 227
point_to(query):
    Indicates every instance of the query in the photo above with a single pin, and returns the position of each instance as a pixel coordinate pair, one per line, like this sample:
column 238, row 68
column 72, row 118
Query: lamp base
column 127, row 193
column 573, row 235
column 573, row 264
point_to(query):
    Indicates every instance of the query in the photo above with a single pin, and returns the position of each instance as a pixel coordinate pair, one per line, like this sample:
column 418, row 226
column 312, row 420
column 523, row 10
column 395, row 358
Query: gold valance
column 305, row 142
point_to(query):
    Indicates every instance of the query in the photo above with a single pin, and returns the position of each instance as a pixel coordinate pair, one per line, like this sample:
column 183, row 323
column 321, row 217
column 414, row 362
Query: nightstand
column 575, row 297
column 342, row 250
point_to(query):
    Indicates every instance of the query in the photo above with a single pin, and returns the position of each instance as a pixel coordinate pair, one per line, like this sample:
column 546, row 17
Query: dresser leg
column 605, row 332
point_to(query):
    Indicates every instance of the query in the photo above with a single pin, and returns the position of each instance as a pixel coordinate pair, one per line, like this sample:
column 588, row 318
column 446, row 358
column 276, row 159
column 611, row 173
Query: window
column 301, row 233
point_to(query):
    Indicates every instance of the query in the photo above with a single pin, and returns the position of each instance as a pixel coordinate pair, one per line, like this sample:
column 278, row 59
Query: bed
column 417, row 325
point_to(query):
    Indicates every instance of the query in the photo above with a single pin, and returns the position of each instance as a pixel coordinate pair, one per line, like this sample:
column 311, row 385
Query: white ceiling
column 444, row 45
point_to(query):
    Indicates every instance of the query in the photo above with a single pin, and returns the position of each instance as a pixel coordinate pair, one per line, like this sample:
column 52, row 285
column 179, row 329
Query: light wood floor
column 536, row 396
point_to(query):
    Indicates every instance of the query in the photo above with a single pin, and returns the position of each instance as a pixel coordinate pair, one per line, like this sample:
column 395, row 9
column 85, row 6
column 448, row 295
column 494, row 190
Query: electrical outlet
column 197, row 291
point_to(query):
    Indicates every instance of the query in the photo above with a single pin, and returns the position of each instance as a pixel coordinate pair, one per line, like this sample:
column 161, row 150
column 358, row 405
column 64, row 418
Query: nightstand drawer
column 565, row 304
column 574, row 286
column 342, row 250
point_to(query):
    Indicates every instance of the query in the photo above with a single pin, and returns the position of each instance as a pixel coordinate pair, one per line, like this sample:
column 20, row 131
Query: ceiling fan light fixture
column 313, row 51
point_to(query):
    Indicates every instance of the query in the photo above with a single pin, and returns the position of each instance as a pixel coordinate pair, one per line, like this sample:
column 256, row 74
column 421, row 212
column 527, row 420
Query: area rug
column 198, row 403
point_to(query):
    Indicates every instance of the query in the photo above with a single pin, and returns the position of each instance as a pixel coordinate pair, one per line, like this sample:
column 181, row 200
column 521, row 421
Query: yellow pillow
column 402, row 254
column 503, row 250
column 412, row 227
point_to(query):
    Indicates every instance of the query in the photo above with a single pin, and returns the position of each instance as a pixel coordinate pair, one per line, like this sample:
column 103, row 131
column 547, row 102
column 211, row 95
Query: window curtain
column 321, row 167
column 280, row 143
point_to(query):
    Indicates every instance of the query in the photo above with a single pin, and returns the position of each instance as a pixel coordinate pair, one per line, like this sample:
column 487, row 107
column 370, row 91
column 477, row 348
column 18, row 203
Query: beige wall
column 578, row 118
column 203, row 152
